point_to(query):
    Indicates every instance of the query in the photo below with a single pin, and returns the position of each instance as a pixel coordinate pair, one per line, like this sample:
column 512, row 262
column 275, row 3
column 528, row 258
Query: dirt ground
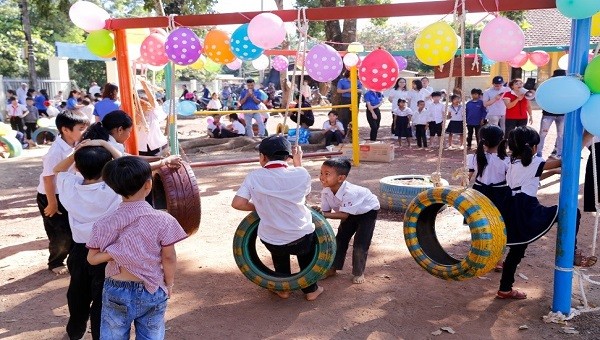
column 213, row 300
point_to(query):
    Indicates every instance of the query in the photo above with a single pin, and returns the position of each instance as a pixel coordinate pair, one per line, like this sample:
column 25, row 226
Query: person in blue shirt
column 249, row 100
column 108, row 103
column 72, row 104
column 343, row 87
column 373, row 99
column 476, row 113
column 40, row 102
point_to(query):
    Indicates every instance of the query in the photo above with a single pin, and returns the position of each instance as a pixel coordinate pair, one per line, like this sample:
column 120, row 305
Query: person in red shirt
column 518, row 109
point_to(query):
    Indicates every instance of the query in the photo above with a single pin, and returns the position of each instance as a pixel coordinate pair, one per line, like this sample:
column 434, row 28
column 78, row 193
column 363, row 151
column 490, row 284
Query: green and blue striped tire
column 44, row 134
column 247, row 259
column 488, row 233
column 396, row 196
column 12, row 145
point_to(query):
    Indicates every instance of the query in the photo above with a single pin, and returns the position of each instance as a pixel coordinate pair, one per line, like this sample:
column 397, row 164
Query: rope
column 304, row 32
column 463, row 173
column 172, row 116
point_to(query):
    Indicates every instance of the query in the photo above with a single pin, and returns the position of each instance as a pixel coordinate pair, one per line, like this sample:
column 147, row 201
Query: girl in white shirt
column 456, row 115
column 402, row 115
column 214, row 104
column 399, row 92
column 417, row 93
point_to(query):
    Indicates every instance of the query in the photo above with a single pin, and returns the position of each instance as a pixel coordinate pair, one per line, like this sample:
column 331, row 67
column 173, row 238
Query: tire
column 176, row 191
column 244, row 252
column 396, row 197
column 488, row 233
column 44, row 134
column 12, row 145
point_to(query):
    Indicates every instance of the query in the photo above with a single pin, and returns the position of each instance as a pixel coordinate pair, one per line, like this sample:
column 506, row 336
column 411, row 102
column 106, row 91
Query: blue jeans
column 259, row 121
column 545, row 125
column 124, row 302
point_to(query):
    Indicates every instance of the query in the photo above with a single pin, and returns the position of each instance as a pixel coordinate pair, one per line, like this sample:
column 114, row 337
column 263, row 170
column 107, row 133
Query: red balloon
column 378, row 71
column 519, row 60
column 539, row 58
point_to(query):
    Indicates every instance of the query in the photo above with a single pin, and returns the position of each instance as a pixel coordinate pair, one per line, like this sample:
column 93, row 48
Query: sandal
column 584, row 261
column 498, row 268
column 513, row 294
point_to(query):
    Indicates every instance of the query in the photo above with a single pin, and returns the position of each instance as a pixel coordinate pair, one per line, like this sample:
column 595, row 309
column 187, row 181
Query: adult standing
column 417, row 93
column 547, row 119
column 373, row 99
column 518, row 109
column 492, row 100
column 344, row 88
column 249, row 100
column 108, row 103
column 22, row 93
column 94, row 88
column 398, row 92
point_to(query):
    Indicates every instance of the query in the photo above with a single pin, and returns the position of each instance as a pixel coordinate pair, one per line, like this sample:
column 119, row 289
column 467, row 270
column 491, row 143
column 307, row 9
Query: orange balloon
column 217, row 47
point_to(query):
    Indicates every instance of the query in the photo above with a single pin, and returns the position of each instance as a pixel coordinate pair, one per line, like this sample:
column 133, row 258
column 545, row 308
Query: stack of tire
column 395, row 196
column 8, row 141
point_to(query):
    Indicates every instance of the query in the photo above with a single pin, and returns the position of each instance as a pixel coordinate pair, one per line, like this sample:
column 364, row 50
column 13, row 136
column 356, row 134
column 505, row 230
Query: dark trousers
column 304, row 249
column 84, row 297
column 58, row 232
column 345, row 115
column 224, row 133
column 515, row 254
column 361, row 226
column 471, row 129
column 421, row 135
column 374, row 123
column 512, row 124
column 16, row 123
column 333, row 136
column 31, row 127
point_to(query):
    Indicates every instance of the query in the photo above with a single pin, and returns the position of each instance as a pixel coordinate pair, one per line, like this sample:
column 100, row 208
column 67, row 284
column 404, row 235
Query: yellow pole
column 354, row 113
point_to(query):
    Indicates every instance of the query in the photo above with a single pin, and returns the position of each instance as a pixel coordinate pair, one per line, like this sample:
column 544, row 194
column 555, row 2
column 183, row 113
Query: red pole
column 125, row 86
column 255, row 160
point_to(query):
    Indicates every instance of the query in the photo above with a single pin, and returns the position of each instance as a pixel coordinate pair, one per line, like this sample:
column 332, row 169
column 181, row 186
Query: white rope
column 304, row 32
column 299, row 51
column 463, row 172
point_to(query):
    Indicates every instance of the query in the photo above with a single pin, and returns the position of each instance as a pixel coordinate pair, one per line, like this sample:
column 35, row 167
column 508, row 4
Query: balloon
column 136, row 36
column 519, row 60
column 261, row 63
column 110, row 55
column 379, row 70
column 436, row 44
column 242, row 47
column 355, row 47
column 563, row 62
column 323, row 63
column 529, row 66
column 156, row 68
column 183, row 46
column 580, row 9
column 100, row 42
column 186, row 108
column 596, row 25
column 234, row 65
column 351, row 59
column 589, row 115
column 402, row 62
column 211, row 66
column 216, row 47
column 280, row 63
column 43, row 122
column 501, row 39
column 160, row 31
column 266, row 30
column 262, row 95
column 198, row 64
column 562, row 94
column 592, row 75
column 486, row 61
column 153, row 50
column 167, row 105
column 88, row 16
column 539, row 58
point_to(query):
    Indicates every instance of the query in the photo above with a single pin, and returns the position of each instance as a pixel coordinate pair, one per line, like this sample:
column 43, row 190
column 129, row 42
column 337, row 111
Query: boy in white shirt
column 356, row 207
column 334, row 129
column 436, row 111
column 420, row 119
column 86, row 199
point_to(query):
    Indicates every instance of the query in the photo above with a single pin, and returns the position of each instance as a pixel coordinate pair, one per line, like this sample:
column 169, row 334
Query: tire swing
column 247, row 259
column 44, row 134
column 11, row 145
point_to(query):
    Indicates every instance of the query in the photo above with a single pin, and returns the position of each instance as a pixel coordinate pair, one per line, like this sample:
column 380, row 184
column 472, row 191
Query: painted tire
column 244, row 252
column 42, row 134
column 488, row 234
column 12, row 145
column 396, row 197
column 176, row 191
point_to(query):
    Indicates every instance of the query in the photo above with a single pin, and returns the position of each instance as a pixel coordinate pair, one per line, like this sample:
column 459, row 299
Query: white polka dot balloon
column 378, row 71
column 153, row 50
column 183, row 46
column 323, row 63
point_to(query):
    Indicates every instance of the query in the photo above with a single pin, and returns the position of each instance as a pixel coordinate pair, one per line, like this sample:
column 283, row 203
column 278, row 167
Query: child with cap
column 278, row 193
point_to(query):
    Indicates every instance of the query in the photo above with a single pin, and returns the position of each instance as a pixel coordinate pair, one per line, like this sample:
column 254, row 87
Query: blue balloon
column 167, row 105
column 590, row 117
column 486, row 61
column 187, row 108
column 578, row 9
column 562, row 94
column 263, row 95
column 242, row 47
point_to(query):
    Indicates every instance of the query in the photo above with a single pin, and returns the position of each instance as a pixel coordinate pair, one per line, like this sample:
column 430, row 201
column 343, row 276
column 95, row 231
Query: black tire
column 44, row 134
column 244, row 252
column 12, row 145
column 395, row 196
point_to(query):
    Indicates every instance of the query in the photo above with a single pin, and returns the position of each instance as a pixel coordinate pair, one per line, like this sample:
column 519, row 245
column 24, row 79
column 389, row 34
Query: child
column 456, row 122
column 31, row 119
column 212, row 122
column 402, row 116
column 476, row 113
column 436, row 115
column 72, row 103
column 56, row 223
column 138, row 242
column 88, row 110
column 115, row 128
column 16, row 112
column 278, row 194
column 334, row 129
column 236, row 129
column 86, row 199
column 526, row 219
column 214, row 104
column 357, row 209
column 420, row 119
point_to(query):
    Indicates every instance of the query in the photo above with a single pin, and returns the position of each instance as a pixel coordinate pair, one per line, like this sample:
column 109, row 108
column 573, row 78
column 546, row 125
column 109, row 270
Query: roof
column 548, row 28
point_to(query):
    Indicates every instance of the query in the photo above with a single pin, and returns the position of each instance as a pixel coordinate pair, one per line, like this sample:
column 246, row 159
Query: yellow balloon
column 135, row 36
column 436, row 44
column 529, row 66
column 198, row 65
column 596, row 24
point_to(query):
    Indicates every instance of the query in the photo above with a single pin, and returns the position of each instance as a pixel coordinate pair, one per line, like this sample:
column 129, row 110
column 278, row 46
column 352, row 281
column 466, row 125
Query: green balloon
column 592, row 75
column 578, row 9
column 211, row 66
column 100, row 43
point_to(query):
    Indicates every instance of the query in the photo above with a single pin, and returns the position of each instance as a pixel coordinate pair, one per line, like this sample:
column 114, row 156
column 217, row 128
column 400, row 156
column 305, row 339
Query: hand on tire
column 173, row 162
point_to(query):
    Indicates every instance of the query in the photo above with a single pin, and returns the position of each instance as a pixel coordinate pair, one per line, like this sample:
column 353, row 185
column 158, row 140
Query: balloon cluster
column 530, row 61
column 91, row 18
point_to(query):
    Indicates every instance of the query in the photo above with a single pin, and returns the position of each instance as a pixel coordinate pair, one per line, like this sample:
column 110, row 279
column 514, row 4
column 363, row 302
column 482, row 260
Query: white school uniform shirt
column 350, row 198
column 57, row 152
column 420, row 117
column 414, row 96
column 495, row 170
column 86, row 204
column 88, row 111
column 214, row 104
column 394, row 95
column 241, row 129
column 279, row 196
column 327, row 126
column 151, row 136
column 120, row 147
column 18, row 111
column 436, row 112
column 402, row 113
column 525, row 177
column 456, row 113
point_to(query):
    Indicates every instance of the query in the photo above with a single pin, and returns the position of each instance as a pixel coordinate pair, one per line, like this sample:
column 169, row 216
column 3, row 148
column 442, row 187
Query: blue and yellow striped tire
column 395, row 196
column 11, row 145
column 247, row 259
column 488, row 233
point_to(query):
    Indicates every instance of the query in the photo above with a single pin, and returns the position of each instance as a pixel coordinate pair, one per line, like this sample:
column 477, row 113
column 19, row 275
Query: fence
column 52, row 86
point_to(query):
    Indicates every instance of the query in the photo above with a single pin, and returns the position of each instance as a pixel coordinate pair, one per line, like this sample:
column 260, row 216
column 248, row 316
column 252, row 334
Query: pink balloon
column 88, row 16
column 519, row 60
column 234, row 65
column 351, row 59
column 379, row 70
column 153, row 50
column 266, row 30
column 183, row 46
column 280, row 63
column 501, row 39
column 539, row 58
column 323, row 63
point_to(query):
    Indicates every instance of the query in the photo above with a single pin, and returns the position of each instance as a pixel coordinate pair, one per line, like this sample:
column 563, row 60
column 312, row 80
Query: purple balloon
column 401, row 61
column 323, row 63
column 183, row 46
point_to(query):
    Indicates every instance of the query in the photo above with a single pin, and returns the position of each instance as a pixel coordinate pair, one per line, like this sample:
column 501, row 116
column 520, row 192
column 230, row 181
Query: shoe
column 512, row 294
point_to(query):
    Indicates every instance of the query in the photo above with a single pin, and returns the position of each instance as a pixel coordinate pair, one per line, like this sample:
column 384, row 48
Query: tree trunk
column 29, row 47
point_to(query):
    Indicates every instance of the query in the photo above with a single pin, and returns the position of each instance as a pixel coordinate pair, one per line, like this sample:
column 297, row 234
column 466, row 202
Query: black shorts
column 435, row 129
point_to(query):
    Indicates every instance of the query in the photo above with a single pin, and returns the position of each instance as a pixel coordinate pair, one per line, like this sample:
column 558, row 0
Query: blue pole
column 569, row 182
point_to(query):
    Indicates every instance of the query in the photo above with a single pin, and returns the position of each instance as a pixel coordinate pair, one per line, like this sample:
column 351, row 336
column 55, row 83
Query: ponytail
column 490, row 136
column 481, row 159
column 114, row 120
column 521, row 142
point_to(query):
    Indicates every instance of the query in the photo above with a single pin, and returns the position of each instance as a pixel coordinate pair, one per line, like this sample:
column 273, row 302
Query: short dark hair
column 478, row 91
column 454, row 96
column 436, row 94
column 401, row 100
column 12, row 98
column 113, row 120
column 234, row 116
column 86, row 102
column 333, row 112
column 420, row 101
column 68, row 119
column 249, row 81
column 126, row 175
column 90, row 160
column 28, row 98
column 341, row 166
